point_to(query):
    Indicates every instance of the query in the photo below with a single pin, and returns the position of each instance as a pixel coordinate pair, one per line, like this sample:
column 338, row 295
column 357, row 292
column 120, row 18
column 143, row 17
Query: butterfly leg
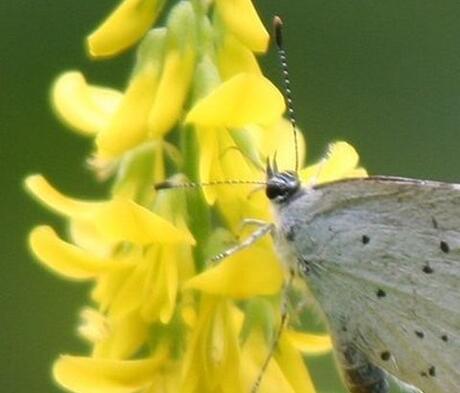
column 251, row 239
column 251, row 221
column 279, row 332
column 264, row 229
column 360, row 375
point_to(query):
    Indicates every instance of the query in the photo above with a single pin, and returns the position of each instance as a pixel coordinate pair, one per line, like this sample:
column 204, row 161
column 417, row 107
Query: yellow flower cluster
column 162, row 318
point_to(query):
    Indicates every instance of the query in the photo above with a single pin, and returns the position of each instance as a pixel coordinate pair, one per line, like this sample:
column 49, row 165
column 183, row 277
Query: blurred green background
column 383, row 75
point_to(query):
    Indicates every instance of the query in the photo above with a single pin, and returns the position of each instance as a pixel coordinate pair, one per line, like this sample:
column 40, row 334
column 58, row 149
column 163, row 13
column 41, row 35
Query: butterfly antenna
column 278, row 30
column 168, row 184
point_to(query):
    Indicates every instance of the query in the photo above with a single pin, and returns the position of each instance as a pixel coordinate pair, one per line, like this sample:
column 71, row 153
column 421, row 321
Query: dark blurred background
column 383, row 75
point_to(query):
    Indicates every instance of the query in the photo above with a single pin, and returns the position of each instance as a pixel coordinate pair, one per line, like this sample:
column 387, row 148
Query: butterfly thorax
column 290, row 202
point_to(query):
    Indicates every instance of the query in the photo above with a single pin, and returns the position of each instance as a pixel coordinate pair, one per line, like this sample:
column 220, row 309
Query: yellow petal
column 86, row 108
column 47, row 194
column 211, row 362
column 138, row 170
column 124, row 220
column 66, row 259
column 84, row 235
column 208, row 147
column 94, row 326
column 160, row 295
column 116, row 220
column 279, row 139
column 341, row 161
column 237, row 206
column 358, row 172
column 258, row 265
column 129, row 295
column 107, row 287
column 172, row 92
column 127, row 24
column 171, row 284
column 242, row 100
column 291, row 363
column 128, row 126
column 127, row 335
column 309, row 344
column 189, row 315
column 225, row 340
column 254, row 353
column 242, row 201
column 234, row 58
column 242, row 20
column 167, row 380
column 91, row 375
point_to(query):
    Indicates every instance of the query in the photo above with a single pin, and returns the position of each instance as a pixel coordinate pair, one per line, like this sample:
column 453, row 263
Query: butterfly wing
column 383, row 256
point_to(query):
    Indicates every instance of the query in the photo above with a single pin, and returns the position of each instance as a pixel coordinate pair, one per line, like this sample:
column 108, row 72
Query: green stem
column 199, row 212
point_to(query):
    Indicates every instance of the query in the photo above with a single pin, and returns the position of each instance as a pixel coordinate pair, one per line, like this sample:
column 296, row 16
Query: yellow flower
column 177, row 71
column 96, row 375
column 212, row 361
column 67, row 259
column 235, row 58
column 86, row 108
column 311, row 344
column 114, row 220
column 128, row 126
column 223, row 109
column 127, row 23
column 258, row 265
column 143, row 280
column 154, row 99
column 341, row 161
column 151, row 287
column 171, row 94
column 112, row 337
column 241, row 19
column 261, row 103
column 162, row 317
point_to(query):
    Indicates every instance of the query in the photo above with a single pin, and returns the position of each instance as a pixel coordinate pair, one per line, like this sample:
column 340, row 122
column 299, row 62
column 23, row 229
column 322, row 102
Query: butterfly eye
column 275, row 191
column 281, row 186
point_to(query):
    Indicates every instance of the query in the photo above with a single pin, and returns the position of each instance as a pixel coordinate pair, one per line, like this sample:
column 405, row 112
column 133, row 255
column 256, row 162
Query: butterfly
column 381, row 256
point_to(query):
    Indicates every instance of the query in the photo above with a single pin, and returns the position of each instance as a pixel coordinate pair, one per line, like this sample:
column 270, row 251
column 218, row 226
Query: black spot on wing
column 419, row 334
column 365, row 239
column 385, row 356
column 427, row 269
column 444, row 338
column 381, row 293
column 431, row 372
column 444, row 247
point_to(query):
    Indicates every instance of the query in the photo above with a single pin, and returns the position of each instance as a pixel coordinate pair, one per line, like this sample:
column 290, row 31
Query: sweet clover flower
column 161, row 317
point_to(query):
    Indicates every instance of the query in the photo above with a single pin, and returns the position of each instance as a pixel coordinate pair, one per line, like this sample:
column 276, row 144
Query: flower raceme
column 162, row 317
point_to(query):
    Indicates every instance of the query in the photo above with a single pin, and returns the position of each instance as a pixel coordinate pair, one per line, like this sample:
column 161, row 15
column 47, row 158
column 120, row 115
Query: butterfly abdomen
column 360, row 375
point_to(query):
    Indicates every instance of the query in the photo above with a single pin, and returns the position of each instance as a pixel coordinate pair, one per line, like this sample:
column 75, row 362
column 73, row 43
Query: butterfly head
column 281, row 186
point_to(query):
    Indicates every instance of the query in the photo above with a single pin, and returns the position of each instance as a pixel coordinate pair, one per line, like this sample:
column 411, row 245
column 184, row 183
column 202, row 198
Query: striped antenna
column 168, row 185
column 278, row 30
